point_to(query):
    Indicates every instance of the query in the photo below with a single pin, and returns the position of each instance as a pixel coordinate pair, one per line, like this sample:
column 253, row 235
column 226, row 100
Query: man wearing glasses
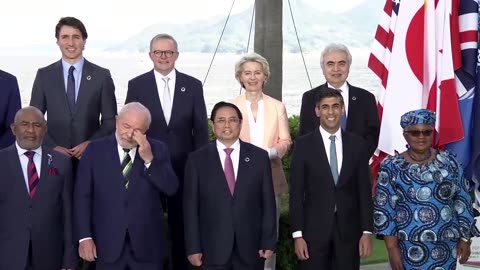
column 230, row 212
column 179, row 118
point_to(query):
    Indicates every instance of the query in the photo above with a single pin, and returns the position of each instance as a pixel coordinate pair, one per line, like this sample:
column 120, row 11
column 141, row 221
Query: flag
column 414, row 58
column 475, row 163
column 465, row 76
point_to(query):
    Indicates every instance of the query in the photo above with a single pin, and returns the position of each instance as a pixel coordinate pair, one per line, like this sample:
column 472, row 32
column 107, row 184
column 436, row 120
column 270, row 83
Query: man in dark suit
column 229, row 203
column 35, row 200
column 75, row 94
column 361, row 116
column 330, row 196
column 179, row 118
column 9, row 105
column 118, row 215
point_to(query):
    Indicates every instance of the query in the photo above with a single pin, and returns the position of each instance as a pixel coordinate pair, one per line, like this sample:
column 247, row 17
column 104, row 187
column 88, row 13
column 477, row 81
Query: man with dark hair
column 229, row 203
column 35, row 200
column 74, row 93
column 9, row 105
column 360, row 115
column 331, row 212
column 179, row 118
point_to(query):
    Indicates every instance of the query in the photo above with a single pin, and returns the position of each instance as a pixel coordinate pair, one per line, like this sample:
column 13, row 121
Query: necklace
column 420, row 160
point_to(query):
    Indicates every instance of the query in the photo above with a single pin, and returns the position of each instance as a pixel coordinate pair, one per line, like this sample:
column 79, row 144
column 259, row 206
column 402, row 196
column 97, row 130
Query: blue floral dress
column 427, row 206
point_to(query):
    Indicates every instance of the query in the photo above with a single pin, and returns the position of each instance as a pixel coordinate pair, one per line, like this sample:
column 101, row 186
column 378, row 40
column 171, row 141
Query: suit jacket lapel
column 17, row 171
column 270, row 113
column 214, row 161
column 352, row 105
column 87, row 77
column 58, row 84
column 346, row 160
column 152, row 88
column 245, row 131
column 323, row 159
column 178, row 96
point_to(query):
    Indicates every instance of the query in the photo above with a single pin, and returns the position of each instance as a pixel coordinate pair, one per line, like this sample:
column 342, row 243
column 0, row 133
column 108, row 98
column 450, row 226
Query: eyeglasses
column 230, row 121
column 167, row 54
column 416, row 132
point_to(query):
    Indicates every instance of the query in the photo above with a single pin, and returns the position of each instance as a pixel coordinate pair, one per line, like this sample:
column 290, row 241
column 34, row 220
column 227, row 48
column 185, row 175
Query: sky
column 32, row 23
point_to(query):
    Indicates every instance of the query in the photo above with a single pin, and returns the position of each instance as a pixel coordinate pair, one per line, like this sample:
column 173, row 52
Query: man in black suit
column 75, row 94
column 361, row 116
column 229, row 203
column 118, row 215
column 35, row 200
column 9, row 105
column 179, row 118
column 330, row 195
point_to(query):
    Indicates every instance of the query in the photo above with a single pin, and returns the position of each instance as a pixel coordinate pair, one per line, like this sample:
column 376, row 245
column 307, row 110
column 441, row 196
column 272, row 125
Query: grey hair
column 163, row 36
column 136, row 106
column 252, row 57
column 335, row 47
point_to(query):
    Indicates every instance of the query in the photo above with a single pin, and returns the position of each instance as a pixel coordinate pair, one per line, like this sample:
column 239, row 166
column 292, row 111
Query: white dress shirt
column 344, row 91
column 235, row 155
column 37, row 159
column 172, row 76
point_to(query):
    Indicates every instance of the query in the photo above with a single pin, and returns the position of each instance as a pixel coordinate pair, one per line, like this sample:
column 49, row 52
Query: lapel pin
column 89, row 78
column 354, row 98
column 183, row 89
column 247, row 159
column 50, row 159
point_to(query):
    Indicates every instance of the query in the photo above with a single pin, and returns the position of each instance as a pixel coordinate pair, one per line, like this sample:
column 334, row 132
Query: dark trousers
column 235, row 263
column 334, row 254
column 175, row 225
column 127, row 261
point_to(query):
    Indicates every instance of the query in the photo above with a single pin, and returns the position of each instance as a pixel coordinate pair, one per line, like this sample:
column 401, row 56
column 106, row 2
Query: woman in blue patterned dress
column 422, row 205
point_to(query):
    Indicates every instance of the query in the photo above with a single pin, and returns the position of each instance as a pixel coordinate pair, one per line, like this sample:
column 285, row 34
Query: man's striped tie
column 126, row 166
column 32, row 174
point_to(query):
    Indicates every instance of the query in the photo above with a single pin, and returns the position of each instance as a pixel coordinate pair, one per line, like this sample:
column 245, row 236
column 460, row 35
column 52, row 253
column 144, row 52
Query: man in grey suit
column 35, row 200
column 75, row 93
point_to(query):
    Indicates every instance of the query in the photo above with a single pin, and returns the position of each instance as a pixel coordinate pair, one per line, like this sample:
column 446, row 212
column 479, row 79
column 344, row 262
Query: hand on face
column 144, row 148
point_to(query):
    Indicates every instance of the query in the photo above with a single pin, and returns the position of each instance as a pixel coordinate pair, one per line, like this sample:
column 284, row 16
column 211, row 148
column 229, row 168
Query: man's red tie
column 228, row 170
column 32, row 174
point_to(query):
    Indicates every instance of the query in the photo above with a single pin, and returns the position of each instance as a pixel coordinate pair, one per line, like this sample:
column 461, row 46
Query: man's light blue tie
column 333, row 159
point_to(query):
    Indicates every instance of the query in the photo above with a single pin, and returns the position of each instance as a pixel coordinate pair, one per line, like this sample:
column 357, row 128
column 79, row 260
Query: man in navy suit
column 9, row 105
column 75, row 94
column 361, row 116
column 118, row 215
column 35, row 200
column 229, row 203
column 331, row 210
column 179, row 118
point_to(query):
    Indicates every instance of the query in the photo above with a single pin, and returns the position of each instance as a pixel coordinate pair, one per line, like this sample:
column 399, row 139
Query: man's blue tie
column 333, row 159
column 71, row 89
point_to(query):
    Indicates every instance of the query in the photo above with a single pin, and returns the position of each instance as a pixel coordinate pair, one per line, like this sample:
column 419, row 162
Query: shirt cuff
column 272, row 153
column 297, row 234
column 367, row 232
column 83, row 239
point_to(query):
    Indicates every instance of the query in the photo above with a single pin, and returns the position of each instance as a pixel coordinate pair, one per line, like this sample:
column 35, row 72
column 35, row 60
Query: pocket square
column 52, row 171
